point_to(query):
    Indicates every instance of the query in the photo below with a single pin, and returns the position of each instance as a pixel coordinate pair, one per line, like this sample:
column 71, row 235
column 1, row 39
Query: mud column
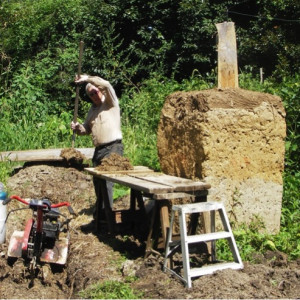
column 233, row 139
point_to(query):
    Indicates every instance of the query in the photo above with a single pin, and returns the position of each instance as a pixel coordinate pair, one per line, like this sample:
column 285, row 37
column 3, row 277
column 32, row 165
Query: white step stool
column 185, row 240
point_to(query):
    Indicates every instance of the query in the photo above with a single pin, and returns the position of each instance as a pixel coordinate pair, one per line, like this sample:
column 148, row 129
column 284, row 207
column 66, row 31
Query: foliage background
column 147, row 49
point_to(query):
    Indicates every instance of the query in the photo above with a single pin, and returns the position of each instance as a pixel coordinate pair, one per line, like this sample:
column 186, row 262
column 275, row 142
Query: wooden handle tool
column 77, row 90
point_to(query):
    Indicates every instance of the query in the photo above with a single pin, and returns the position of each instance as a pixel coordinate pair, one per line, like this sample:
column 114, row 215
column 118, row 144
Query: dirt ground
column 100, row 257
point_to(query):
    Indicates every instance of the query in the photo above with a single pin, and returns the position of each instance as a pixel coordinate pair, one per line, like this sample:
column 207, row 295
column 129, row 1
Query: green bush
column 126, row 41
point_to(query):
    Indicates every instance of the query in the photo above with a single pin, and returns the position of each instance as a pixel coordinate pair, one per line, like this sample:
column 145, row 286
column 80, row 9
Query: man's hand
column 81, row 78
column 75, row 126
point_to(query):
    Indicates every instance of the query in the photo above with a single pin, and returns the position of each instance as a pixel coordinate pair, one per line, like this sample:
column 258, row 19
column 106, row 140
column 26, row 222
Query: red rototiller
column 45, row 239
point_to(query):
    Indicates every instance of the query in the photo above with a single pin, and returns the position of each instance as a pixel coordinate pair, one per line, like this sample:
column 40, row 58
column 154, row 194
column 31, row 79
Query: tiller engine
column 45, row 238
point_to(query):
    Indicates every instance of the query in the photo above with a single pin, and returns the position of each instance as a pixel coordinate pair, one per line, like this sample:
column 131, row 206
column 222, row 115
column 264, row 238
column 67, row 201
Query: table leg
column 132, row 200
column 97, row 216
column 136, row 197
column 206, row 221
column 160, row 218
column 205, row 217
column 150, row 234
column 194, row 218
column 108, row 210
column 164, row 219
column 137, row 212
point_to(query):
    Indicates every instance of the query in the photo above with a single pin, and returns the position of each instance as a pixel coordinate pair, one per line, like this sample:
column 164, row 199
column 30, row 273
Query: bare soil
column 99, row 257
column 72, row 156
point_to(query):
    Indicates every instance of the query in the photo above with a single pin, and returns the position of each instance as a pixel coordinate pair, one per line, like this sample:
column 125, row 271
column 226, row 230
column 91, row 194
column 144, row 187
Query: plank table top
column 146, row 180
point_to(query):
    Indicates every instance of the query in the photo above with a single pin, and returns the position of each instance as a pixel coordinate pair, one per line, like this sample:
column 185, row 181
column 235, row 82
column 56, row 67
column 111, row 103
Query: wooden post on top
column 227, row 56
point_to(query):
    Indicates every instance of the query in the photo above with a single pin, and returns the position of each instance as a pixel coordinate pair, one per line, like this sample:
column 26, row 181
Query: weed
column 120, row 191
column 234, row 202
column 111, row 290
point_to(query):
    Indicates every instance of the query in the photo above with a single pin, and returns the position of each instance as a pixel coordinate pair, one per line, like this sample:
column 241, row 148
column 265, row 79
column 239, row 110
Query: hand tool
column 77, row 90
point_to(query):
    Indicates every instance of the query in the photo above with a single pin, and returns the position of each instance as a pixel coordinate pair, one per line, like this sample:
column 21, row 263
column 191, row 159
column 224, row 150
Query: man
column 103, row 122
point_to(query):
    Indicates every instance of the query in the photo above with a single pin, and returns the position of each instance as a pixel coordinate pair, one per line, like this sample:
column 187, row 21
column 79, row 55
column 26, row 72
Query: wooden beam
column 136, row 170
column 227, row 56
column 40, row 154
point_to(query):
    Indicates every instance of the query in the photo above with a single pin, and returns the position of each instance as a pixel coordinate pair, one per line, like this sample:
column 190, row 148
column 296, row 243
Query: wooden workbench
column 154, row 185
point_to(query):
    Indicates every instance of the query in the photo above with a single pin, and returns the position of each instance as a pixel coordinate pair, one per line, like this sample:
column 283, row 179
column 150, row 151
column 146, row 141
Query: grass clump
column 110, row 290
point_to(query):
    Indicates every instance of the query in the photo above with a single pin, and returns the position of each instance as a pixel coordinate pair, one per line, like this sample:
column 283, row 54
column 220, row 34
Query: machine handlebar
column 45, row 203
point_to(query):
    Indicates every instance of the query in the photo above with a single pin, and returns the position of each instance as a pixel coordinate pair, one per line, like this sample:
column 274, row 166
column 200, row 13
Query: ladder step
column 185, row 240
column 209, row 269
column 208, row 237
column 198, row 207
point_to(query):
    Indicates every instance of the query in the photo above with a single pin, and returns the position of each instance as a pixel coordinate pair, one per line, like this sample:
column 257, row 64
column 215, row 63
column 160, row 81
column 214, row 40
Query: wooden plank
column 133, row 182
column 138, row 184
column 179, row 195
column 179, row 184
column 227, row 56
column 136, row 169
column 41, row 154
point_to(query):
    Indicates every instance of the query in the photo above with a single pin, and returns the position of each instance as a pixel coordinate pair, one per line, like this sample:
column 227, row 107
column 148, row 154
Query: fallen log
column 41, row 154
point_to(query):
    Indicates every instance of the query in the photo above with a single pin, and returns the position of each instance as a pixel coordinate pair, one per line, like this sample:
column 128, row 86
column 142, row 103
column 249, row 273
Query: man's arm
column 100, row 83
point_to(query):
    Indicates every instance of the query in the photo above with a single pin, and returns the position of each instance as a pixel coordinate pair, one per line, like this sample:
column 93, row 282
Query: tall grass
column 111, row 290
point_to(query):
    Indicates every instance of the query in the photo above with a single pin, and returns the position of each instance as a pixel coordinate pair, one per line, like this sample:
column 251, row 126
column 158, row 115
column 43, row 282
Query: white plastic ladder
column 185, row 240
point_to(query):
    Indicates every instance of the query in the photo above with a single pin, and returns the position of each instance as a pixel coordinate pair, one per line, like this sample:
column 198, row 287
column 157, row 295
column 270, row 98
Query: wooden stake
column 261, row 74
column 227, row 56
